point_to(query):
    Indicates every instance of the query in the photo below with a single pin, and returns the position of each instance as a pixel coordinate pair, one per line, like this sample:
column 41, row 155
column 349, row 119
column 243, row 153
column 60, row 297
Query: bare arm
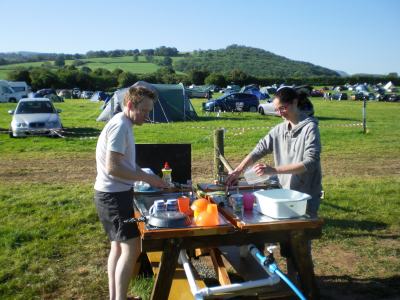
column 296, row 168
column 234, row 175
column 115, row 168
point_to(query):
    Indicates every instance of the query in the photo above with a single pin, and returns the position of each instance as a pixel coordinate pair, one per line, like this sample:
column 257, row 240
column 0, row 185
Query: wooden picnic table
column 296, row 233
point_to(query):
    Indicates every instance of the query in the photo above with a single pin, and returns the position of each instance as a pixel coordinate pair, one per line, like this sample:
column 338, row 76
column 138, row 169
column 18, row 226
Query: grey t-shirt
column 300, row 144
column 116, row 136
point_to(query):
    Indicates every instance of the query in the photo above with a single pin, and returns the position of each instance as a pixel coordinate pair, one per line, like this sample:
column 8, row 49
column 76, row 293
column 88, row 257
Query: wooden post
column 218, row 149
column 365, row 115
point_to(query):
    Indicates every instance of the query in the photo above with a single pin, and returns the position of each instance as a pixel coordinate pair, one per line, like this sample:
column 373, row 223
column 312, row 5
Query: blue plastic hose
column 273, row 268
column 289, row 283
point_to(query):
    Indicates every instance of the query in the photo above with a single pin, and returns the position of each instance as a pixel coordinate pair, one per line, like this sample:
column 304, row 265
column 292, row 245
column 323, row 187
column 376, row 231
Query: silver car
column 35, row 116
column 267, row 108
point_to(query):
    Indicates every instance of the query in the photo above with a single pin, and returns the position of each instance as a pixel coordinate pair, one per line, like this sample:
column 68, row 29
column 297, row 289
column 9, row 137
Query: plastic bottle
column 167, row 171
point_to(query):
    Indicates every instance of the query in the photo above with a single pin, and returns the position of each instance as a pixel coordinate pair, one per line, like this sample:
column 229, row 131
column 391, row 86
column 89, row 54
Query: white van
column 7, row 94
column 21, row 88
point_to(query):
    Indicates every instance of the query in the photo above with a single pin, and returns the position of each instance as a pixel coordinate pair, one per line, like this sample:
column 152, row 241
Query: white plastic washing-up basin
column 281, row 203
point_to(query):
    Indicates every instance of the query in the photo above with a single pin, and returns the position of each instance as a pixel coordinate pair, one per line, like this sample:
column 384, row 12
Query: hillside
column 253, row 61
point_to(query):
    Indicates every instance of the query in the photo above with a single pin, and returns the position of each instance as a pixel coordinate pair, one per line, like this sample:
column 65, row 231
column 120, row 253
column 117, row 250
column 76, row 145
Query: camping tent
column 254, row 90
column 172, row 104
column 389, row 86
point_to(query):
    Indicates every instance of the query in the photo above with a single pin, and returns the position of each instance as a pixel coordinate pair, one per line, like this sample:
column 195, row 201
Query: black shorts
column 113, row 209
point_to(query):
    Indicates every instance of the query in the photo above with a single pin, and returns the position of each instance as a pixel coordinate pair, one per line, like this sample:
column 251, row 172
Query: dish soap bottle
column 166, row 173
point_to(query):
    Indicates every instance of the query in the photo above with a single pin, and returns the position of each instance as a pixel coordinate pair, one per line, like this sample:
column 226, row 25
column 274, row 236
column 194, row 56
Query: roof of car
column 33, row 99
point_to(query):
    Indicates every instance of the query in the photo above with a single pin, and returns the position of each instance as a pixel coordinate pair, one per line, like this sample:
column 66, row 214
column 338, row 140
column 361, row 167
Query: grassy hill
column 253, row 61
column 124, row 63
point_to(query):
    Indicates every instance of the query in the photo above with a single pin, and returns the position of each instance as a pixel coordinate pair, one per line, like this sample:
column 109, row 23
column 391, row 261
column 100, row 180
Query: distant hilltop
column 252, row 61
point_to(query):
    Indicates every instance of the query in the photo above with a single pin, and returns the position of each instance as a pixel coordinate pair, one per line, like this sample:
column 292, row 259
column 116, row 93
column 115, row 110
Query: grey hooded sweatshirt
column 298, row 144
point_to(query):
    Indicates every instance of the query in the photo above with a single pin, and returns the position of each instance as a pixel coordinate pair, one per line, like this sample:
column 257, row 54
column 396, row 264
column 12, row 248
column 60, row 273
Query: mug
column 172, row 205
column 158, row 205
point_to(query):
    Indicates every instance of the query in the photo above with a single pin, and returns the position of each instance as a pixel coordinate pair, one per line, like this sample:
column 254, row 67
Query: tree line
column 22, row 57
column 106, row 80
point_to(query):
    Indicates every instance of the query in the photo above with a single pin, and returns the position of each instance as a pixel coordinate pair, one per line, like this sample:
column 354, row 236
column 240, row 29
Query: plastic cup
column 183, row 204
column 248, row 201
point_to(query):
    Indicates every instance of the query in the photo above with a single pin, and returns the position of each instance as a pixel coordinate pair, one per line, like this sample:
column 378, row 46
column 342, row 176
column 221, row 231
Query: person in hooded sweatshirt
column 295, row 145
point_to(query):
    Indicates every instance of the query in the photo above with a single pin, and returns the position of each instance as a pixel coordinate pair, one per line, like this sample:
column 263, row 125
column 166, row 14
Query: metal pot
column 164, row 219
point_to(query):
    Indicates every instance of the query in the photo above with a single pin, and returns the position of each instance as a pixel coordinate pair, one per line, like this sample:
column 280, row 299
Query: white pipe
column 186, row 266
column 274, row 279
column 200, row 294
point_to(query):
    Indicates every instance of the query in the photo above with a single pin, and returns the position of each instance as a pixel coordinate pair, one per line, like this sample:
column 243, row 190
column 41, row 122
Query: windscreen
column 35, row 107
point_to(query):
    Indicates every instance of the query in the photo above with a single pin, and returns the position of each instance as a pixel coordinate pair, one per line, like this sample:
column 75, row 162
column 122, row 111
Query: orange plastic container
column 199, row 205
column 208, row 217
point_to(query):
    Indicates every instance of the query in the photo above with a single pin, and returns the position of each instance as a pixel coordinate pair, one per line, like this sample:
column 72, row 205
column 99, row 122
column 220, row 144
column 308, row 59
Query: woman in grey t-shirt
column 295, row 145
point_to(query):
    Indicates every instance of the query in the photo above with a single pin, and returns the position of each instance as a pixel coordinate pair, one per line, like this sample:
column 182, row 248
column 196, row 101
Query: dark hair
column 287, row 95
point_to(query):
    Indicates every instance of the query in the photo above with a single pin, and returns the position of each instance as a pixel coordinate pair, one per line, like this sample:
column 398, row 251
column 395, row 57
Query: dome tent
column 172, row 104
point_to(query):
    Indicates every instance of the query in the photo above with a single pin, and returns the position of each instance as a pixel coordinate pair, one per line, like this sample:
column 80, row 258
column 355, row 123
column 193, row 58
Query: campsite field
column 53, row 247
column 124, row 63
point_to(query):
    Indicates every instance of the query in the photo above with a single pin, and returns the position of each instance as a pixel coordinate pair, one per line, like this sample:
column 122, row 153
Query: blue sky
column 354, row 36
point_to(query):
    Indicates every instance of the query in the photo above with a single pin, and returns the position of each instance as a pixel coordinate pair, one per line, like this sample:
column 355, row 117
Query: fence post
column 364, row 113
column 218, row 149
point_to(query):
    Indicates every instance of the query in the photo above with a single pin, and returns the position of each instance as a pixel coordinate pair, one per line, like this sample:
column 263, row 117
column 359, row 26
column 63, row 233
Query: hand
column 232, row 177
column 262, row 169
column 156, row 182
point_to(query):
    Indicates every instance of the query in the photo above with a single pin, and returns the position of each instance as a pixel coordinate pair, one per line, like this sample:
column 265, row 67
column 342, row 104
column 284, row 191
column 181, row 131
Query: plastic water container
column 252, row 178
column 281, row 203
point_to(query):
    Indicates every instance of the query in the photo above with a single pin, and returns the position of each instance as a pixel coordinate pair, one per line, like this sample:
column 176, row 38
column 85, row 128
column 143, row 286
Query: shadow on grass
column 344, row 209
column 347, row 287
column 362, row 225
column 81, row 131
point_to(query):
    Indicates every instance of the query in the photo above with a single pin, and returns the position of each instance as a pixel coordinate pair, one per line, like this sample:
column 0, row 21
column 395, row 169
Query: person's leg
column 130, row 250
column 113, row 257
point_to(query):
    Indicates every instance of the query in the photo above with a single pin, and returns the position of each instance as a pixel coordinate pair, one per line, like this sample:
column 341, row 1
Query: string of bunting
column 92, row 135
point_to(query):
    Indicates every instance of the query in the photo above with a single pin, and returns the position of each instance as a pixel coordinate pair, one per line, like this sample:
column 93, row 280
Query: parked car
column 65, row 94
column 317, row 93
column 35, row 116
column 99, row 96
column 21, row 88
column 86, row 94
column 267, row 108
column 391, row 98
column 233, row 102
column 7, row 94
column 340, row 96
column 76, row 93
column 47, row 93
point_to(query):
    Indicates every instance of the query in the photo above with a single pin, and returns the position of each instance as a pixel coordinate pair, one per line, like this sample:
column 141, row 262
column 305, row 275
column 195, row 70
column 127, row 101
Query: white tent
column 389, row 86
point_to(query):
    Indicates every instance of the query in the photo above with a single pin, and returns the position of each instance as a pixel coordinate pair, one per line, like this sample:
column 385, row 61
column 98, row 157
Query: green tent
column 172, row 104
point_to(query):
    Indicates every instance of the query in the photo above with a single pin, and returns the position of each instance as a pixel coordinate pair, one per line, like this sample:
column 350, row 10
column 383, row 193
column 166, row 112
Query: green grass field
column 53, row 247
column 124, row 63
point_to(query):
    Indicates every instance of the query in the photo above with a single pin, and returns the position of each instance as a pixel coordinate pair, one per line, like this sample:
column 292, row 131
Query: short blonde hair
column 136, row 94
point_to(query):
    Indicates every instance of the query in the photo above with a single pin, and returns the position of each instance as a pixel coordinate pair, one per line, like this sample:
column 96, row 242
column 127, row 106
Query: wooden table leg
column 163, row 280
column 301, row 253
column 219, row 266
